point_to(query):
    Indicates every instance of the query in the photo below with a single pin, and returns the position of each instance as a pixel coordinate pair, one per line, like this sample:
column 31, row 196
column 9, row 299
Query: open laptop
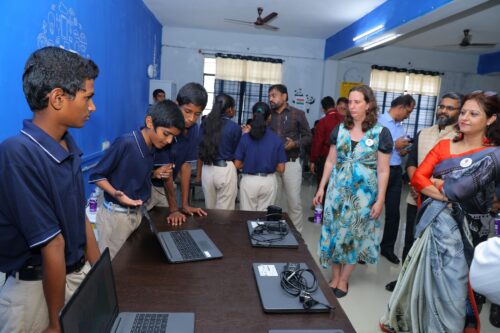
column 184, row 245
column 94, row 308
column 276, row 300
column 271, row 234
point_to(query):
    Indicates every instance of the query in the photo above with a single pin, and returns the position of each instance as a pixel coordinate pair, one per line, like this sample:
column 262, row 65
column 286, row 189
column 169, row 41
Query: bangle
column 174, row 211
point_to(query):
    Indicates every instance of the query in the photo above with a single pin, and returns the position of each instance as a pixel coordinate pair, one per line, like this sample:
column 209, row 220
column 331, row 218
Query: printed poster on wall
column 346, row 86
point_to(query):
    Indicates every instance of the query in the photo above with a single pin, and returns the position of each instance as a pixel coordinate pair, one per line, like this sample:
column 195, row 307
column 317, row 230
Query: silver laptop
column 93, row 308
column 274, row 299
column 271, row 234
column 184, row 245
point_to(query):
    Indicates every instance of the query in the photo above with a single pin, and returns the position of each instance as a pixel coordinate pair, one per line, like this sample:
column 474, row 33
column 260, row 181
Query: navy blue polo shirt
column 183, row 149
column 229, row 138
column 261, row 156
column 127, row 165
column 41, row 195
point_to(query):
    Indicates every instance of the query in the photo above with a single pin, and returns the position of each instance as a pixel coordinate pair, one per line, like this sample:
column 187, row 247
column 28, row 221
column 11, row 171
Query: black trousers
column 392, row 200
column 411, row 221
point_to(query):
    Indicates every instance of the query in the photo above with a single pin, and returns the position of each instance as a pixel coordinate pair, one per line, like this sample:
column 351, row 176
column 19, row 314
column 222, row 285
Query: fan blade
column 237, row 21
column 269, row 17
column 480, row 45
column 267, row 26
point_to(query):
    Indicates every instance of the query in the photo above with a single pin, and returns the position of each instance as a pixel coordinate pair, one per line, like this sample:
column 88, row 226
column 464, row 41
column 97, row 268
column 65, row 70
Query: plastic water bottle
column 93, row 202
column 318, row 213
column 497, row 224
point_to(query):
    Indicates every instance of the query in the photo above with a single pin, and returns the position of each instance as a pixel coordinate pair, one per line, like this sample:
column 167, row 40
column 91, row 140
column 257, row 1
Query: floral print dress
column 349, row 233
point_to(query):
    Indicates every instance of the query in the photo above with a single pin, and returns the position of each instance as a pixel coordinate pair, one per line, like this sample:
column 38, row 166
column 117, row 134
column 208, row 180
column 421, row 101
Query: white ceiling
column 321, row 19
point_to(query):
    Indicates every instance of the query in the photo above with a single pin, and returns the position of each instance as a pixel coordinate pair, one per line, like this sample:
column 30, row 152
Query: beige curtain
column 248, row 70
column 399, row 82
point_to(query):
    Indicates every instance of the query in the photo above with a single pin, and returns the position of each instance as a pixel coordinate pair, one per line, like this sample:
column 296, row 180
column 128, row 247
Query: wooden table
column 221, row 292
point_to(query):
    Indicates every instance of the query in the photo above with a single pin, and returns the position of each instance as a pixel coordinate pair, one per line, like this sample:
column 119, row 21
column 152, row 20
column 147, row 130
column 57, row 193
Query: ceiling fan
column 466, row 41
column 260, row 22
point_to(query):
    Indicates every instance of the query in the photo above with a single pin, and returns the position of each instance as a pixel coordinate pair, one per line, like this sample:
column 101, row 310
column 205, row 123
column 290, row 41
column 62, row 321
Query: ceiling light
column 380, row 41
column 366, row 33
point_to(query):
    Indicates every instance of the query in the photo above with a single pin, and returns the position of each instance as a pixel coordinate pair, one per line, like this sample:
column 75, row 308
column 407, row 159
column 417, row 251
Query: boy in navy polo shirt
column 124, row 173
column 45, row 238
column 192, row 99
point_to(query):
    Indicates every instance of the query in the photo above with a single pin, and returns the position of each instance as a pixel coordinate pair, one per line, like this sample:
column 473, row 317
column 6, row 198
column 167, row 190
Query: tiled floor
column 367, row 297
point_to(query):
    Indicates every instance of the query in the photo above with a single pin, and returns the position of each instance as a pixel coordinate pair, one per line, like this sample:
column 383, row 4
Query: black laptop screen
column 94, row 306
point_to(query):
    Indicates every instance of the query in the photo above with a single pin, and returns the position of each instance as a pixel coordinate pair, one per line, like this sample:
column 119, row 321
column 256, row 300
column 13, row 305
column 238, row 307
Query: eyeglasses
column 487, row 93
column 447, row 107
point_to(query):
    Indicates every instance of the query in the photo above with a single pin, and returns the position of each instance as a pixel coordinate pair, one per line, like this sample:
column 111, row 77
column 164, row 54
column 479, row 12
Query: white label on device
column 255, row 224
column 267, row 270
column 207, row 254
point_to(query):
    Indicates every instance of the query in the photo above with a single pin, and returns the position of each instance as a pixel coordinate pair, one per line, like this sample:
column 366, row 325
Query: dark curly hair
column 371, row 113
column 212, row 128
column 489, row 102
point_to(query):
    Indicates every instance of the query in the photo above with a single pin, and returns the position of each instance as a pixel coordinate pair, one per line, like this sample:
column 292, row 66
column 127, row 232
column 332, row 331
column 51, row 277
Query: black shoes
column 391, row 285
column 390, row 256
column 495, row 315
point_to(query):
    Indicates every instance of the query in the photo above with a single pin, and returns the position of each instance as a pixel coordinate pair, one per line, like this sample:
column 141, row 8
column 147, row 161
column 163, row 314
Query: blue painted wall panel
column 392, row 14
column 120, row 36
column 489, row 63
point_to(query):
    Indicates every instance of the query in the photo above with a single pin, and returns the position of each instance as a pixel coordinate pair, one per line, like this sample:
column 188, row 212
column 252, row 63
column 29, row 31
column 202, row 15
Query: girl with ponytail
column 219, row 139
column 260, row 154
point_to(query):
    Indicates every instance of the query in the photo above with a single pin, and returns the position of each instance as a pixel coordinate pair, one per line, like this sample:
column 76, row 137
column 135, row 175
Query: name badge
column 369, row 142
column 466, row 162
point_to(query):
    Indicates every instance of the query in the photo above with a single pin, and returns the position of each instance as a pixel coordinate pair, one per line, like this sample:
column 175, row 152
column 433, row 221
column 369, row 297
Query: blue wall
column 120, row 36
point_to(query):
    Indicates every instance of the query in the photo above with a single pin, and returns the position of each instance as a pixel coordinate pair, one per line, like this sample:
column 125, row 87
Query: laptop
column 271, row 234
column 94, row 308
column 307, row 331
column 184, row 245
column 276, row 300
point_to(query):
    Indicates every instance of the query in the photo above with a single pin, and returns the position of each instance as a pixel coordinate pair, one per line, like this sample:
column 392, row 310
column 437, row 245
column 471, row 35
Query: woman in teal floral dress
column 357, row 172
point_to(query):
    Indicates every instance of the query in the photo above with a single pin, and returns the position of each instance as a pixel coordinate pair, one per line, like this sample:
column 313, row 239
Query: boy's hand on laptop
column 125, row 200
column 176, row 218
column 190, row 211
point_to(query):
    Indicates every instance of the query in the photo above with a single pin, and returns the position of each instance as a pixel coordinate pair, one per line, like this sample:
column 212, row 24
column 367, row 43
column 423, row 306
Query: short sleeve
column 334, row 135
column 385, row 143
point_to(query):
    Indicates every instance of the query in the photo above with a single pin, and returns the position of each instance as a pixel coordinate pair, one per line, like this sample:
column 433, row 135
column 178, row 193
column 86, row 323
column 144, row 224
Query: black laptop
column 184, row 245
column 271, row 234
column 276, row 300
column 93, row 308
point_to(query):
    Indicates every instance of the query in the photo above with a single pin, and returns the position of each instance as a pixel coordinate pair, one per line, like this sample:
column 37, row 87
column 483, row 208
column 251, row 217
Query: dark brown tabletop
column 221, row 292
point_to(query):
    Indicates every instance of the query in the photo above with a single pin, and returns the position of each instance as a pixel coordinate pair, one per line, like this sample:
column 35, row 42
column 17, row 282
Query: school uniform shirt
column 183, row 149
column 41, row 195
column 230, row 136
column 261, row 156
column 127, row 165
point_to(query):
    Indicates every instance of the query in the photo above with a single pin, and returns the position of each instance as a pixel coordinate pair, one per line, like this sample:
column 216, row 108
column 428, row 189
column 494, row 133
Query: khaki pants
column 291, row 181
column 257, row 192
column 219, row 186
column 115, row 227
column 157, row 198
column 22, row 303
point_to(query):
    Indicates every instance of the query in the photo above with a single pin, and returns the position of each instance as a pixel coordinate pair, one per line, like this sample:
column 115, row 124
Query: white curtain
column 399, row 82
column 248, row 71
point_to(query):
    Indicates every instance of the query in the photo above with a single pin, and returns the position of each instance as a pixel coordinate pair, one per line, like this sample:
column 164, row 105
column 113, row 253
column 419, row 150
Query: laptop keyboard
column 150, row 322
column 186, row 245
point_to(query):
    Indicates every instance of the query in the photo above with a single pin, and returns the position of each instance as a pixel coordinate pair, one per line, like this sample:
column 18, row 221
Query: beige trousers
column 115, row 227
column 22, row 303
column 157, row 198
column 219, row 186
column 257, row 192
column 290, row 183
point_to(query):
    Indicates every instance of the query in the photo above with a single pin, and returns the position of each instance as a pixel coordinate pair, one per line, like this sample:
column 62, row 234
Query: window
column 246, row 79
column 209, row 82
column 388, row 83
